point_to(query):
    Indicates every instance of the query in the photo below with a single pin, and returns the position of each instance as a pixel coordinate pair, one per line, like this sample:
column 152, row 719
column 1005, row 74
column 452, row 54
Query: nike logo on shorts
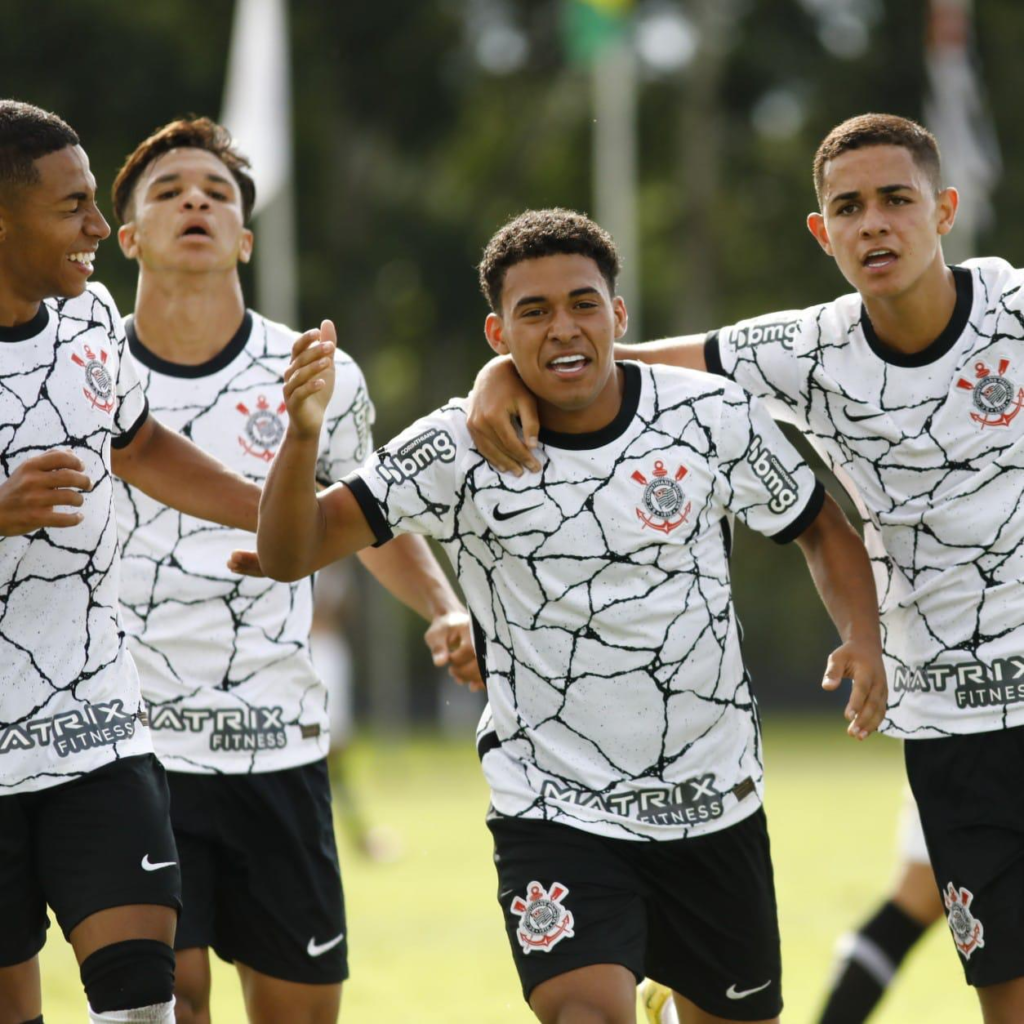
column 148, row 865
column 732, row 993
column 318, row 950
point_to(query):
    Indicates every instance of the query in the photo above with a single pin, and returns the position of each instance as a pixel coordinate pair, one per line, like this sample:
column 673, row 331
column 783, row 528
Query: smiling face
column 882, row 219
column 186, row 216
column 49, row 230
column 559, row 323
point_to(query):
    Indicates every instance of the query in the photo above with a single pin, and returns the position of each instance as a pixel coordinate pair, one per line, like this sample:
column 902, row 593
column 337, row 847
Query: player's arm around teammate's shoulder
column 502, row 412
column 299, row 529
column 841, row 569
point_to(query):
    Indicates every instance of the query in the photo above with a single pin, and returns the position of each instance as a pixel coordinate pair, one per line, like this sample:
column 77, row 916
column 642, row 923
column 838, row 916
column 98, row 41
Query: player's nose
column 195, row 199
column 96, row 225
column 563, row 325
column 874, row 222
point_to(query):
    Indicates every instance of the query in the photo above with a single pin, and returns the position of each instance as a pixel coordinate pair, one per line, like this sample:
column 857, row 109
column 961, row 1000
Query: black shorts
column 695, row 914
column 99, row 841
column 969, row 792
column 260, row 875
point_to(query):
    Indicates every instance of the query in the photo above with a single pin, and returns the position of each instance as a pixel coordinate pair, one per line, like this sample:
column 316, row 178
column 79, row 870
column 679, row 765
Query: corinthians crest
column 996, row 397
column 99, row 384
column 966, row 928
column 543, row 921
column 663, row 499
column 263, row 428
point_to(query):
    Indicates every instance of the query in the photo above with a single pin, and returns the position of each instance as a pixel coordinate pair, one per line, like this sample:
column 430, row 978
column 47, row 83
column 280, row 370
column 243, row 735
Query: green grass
column 427, row 943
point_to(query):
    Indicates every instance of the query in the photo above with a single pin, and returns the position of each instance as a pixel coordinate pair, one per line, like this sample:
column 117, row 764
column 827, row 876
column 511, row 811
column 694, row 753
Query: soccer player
column 911, row 390
column 84, row 822
column 238, row 713
column 621, row 742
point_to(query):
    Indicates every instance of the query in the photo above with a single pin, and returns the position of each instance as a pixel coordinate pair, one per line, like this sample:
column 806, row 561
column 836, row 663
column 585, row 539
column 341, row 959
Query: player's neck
column 911, row 321
column 188, row 318
column 15, row 309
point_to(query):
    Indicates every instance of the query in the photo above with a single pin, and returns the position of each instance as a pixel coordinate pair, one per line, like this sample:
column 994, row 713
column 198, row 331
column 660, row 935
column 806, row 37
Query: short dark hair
column 879, row 130
column 26, row 134
column 186, row 133
column 537, row 233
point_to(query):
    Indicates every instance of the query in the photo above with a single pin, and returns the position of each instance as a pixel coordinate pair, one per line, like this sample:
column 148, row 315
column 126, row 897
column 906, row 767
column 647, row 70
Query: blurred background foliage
column 421, row 125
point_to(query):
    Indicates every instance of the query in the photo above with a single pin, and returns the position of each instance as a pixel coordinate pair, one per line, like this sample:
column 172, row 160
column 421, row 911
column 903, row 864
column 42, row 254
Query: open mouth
column 83, row 259
column 195, row 229
column 569, row 365
column 877, row 259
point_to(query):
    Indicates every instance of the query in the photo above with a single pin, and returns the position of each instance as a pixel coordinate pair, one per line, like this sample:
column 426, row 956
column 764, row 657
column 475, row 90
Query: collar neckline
column 29, row 329
column 160, row 365
column 610, row 431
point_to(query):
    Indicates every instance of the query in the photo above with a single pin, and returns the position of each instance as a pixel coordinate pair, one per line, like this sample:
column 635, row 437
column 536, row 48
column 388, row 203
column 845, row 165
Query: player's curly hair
column 186, row 133
column 879, row 130
column 537, row 233
column 26, row 134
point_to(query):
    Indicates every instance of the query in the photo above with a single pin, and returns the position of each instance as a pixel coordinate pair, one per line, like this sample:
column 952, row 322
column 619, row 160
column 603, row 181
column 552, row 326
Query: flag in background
column 956, row 112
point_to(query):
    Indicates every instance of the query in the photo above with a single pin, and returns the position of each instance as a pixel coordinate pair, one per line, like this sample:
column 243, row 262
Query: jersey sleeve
column 131, row 407
column 761, row 354
column 347, row 437
column 411, row 484
column 763, row 478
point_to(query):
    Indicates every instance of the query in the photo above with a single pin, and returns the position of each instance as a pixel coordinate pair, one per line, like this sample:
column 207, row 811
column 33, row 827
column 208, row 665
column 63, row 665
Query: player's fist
column 309, row 380
column 30, row 496
column 450, row 640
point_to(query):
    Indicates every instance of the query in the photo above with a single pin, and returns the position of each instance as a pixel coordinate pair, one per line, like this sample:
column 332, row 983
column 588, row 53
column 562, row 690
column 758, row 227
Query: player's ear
column 494, row 331
column 127, row 238
column 621, row 316
column 947, row 201
column 245, row 246
column 816, row 226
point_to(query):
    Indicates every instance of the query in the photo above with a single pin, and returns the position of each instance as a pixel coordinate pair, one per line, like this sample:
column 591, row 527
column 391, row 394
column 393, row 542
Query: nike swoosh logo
column 318, row 950
column 856, row 419
column 732, row 992
column 148, row 865
column 502, row 516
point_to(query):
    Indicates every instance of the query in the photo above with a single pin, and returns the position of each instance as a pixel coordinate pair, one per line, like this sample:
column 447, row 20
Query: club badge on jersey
column 968, row 931
column 543, row 920
column 264, row 428
column 662, row 500
column 99, row 383
column 996, row 397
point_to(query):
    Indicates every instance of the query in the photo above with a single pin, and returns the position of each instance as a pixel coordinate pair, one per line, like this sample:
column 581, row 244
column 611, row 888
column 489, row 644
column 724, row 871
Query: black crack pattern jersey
column 931, row 447
column 224, row 660
column 601, row 599
column 69, row 692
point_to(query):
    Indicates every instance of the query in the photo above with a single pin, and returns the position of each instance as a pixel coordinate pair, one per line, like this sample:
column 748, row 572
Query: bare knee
column 917, row 893
column 598, row 994
column 192, row 987
column 1003, row 1004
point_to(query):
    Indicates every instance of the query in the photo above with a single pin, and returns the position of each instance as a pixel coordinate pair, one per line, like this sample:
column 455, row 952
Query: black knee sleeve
column 35, row 1020
column 127, row 975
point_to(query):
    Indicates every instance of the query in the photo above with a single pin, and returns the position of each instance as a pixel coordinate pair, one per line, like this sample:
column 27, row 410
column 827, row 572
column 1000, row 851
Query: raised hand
column 30, row 495
column 498, row 402
column 866, row 706
column 309, row 380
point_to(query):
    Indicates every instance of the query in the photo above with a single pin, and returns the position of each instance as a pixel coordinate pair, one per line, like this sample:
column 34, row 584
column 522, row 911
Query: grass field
column 427, row 944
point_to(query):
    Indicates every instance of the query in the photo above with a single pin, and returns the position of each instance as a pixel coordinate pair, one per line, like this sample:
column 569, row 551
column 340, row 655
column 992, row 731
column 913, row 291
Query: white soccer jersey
column 932, row 448
column 601, row 598
column 69, row 693
column 224, row 660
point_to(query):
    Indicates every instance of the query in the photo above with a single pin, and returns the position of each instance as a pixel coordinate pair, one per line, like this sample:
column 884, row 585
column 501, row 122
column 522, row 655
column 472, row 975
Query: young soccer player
column 84, row 822
column 238, row 713
column 911, row 390
column 621, row 742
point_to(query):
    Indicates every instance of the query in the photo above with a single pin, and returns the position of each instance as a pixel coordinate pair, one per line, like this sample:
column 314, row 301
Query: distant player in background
column 868, row 959
column 84, row 819
column 239, row 716
column 621, row 742
column 911, row 389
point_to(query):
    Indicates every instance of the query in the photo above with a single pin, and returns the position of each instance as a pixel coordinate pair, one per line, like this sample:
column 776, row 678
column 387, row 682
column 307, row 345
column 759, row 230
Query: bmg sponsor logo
column 767, row 468
column 253, row 728
column 415, row 456
column 783, row 333
column 94, row 725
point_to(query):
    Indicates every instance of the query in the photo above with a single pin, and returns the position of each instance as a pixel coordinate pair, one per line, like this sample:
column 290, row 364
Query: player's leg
column 713, row 925
column 269, row 1000
column 972, row 811
column 21, row 998
column 109, row 870
column 192, row 986
column 869, row 958
column 280, row 904
column 575, row 917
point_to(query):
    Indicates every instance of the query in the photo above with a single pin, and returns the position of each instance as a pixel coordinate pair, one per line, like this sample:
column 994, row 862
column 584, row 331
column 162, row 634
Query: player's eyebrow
column 882, row 190
column 164, row 179
column 79, row 197
column 529, row 300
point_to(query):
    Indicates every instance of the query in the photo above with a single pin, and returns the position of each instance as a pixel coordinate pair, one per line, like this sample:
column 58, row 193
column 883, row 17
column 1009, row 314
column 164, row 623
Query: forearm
column 175, row 472
column 841, row 570
column 407, row 569
column 291, row 526
column 686, row 351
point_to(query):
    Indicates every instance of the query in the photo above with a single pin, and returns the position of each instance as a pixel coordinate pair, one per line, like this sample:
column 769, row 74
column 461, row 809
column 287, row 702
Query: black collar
column 29, row 329
column 609, row 432
column 218, row 362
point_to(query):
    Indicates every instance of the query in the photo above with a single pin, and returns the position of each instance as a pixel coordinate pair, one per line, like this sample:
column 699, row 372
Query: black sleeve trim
column 713, row 355
column 488, row 742
column 368, row 503
column 814, row 505
column 125, row 438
